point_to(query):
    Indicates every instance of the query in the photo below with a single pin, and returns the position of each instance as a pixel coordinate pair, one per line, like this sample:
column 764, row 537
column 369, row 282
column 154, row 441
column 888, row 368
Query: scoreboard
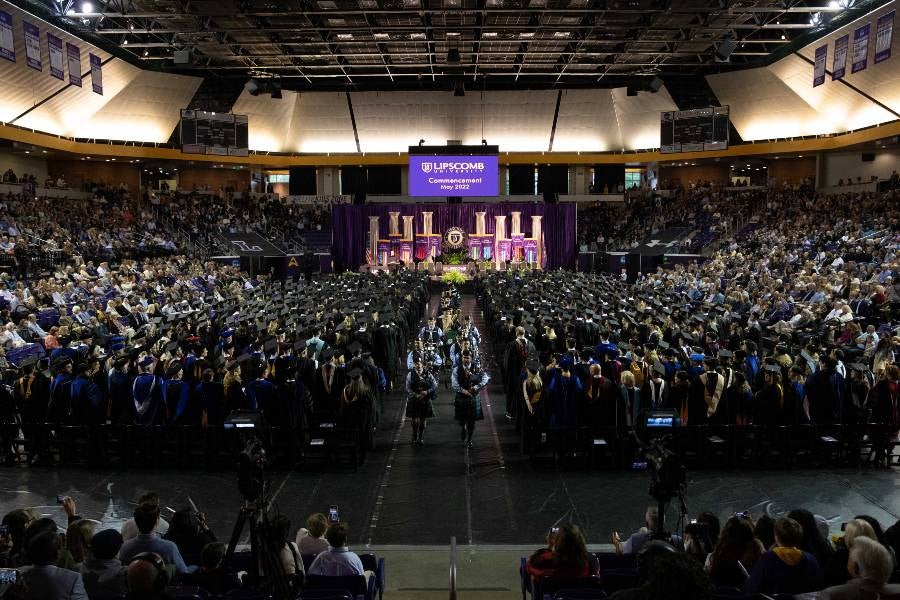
column 222, row 134
column 694, row 130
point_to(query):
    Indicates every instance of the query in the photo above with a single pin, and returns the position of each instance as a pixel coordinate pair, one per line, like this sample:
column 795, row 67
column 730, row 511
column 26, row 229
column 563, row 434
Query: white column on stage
column 394, row 224
column 499, row 234
column 536, row 234
column 479, row 223
column 408, row 224
column 516, row 224
column 373, row 238
column 426, row 230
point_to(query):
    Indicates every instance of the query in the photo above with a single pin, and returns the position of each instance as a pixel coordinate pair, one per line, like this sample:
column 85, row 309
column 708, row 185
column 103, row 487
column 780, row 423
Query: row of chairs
column 782, row 446
column 134, row 446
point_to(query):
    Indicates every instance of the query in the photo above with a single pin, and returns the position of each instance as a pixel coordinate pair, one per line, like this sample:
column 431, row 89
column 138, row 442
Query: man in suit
column 43, row 580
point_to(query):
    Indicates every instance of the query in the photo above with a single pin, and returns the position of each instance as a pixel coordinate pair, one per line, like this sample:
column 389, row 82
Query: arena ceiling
column 439, row 44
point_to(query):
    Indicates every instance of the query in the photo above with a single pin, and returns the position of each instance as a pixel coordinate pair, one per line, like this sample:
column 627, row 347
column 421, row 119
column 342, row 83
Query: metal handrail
column 453, row 568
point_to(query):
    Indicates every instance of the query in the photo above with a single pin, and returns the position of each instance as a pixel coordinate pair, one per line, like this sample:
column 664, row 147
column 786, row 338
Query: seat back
column 326, row 594
column 611, row 560
column 618, row 579
column 583, row 594
column 550, row 585
column 355, row 584
column 308, row 560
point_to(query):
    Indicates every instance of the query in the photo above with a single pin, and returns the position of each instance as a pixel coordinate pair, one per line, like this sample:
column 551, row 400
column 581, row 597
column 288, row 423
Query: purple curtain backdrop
column 350, row 226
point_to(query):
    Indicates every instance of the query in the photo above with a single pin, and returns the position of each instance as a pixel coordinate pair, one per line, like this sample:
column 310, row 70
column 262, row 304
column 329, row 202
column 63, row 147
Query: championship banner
column 860, row 49
column 96, row 74
column 32, row 46
column 73, row 53
column 884, row 37
column 819, row 69
column 839, row 66
column 7, row 44
column 55, row 51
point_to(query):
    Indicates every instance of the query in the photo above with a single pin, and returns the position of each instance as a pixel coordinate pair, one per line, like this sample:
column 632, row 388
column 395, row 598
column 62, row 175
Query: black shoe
column 420, row 442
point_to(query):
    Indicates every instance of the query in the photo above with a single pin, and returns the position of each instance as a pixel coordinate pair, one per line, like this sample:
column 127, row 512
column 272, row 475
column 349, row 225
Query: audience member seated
column 41, row 579
column 835, row 568
column 311, row 539
column 129, row 528
column 566, row 555
column 189, row 531
column 147, row 577
column 785, row 568
column 636, row 540
column 870, row 565
column 102, row 572
column 146, row 517
column 338, row 560
column 78, row 542
column 212, row 576
column 668, row 575
column 735, row 554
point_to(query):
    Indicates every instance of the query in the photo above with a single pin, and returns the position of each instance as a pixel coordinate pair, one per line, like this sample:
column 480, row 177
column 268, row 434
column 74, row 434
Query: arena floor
column 491, row 498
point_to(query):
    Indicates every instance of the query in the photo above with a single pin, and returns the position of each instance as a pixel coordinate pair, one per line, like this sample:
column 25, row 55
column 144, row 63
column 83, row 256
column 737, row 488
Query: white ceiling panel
column 586, row 122
column 321, row 123
column 638, row 116
column 268, row 119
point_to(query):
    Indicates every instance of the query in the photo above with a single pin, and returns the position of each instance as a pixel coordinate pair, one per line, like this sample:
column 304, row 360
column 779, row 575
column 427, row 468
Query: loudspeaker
column 868, row 157
column 182, row 57
column 724, row 50
column 655, row 84
column 631, row 91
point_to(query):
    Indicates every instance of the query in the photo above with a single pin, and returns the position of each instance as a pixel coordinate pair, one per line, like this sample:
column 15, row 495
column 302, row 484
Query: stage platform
column 408, row 501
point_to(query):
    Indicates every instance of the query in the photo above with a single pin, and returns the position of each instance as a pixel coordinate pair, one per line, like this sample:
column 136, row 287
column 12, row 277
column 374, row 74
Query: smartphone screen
column 8, row 576
column 639, row 465
column 60, row 499
column 4, row 531
column 333, row 513
column 554, row 530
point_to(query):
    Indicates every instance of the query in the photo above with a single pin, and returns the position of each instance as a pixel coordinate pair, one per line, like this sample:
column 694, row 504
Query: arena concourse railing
column 453, row 568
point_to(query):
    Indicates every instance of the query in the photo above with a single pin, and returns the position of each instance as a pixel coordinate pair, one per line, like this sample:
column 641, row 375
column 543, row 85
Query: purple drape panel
column 350, row 226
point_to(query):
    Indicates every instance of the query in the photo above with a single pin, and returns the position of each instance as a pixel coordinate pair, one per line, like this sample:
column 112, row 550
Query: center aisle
column 441, row 489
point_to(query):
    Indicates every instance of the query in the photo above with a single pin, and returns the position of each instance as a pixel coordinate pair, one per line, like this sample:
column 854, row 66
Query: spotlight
column 125, row 42
column 421, row 142
column 252, row 87
column 484, row 142
column 146, row 53
column 87, row 7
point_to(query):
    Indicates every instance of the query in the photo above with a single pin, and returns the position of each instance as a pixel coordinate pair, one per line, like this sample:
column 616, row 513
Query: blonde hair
column 857, row 528
column 78, row 539
column 627, row 378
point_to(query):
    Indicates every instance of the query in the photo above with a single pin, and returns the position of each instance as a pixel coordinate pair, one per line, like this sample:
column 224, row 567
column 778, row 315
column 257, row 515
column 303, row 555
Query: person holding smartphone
column 566, row 555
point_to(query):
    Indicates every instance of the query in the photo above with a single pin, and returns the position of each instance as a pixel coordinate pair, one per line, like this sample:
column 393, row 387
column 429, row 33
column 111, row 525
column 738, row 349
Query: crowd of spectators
column 745, row 554
column 702, row 209
column 148, row 555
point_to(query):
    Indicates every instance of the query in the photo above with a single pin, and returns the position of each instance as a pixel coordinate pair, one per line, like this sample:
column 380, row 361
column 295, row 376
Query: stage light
column 125, row 42
column 484, row 142
column 146, row 53
column 815, row 19
column 87, row 7
column 421, row 142
column 252, row 87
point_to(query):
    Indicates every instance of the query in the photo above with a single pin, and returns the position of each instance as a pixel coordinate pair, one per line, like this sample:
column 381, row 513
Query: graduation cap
column 355, row 372
column 270, row 344
column 354, row 347
column 327, row 354
column 773, row 369
column 858, row 367
column 172, row 346
column 725, row 353
column 663, row 344
column 28, row 361
column 146, row 361
column 659, row 368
